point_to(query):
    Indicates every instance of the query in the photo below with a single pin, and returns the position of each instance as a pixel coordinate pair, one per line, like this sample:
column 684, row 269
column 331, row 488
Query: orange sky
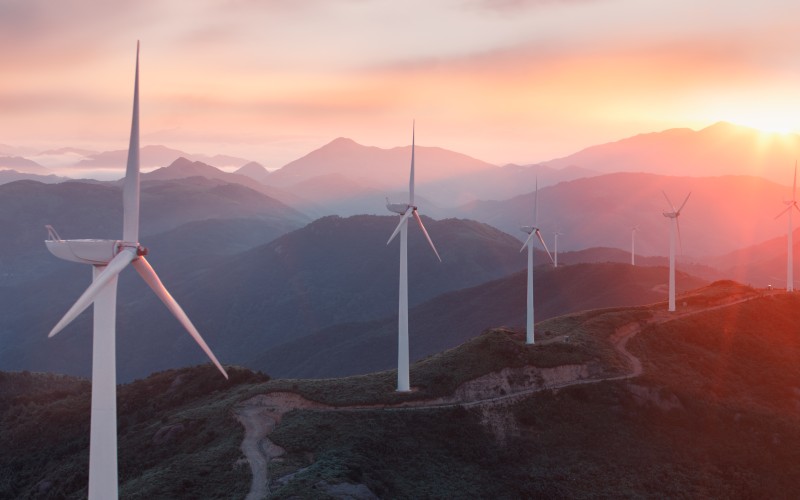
column 502, row 80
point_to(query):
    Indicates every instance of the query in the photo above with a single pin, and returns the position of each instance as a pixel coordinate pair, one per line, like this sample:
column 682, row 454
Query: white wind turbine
column 108, row 258
column 634, row 230
column 790, row 251
column 555, row 248
column 406, row 211
column 532, row 230
column 673, row 216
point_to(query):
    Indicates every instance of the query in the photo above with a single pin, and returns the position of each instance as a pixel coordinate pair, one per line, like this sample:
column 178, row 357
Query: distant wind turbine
column 555, row 248
column 790, row 251
column 406, row 211
column 108, row 258
column 673, row 216
column 532, row 230
column 634, row 229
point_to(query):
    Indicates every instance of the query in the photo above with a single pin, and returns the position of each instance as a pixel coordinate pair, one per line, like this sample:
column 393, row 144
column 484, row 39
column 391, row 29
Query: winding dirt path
column 261, row 414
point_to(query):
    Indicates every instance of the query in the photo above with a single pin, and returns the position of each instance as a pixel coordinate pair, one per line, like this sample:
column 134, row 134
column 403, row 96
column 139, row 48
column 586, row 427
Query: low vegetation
column 713, row 415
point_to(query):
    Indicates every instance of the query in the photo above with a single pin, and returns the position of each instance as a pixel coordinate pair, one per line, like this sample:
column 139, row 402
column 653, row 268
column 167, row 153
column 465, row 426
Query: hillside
column 455, row 317
column 618, row 402
column 331, row 271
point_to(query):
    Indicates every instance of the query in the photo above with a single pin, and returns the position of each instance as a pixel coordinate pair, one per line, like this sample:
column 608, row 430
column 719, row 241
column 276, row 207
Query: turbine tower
column 532, row 230
column 673, row 216
column 634, row 229
column 790, row 251
column 555, row 248
column 406, row 211
column 108, row 258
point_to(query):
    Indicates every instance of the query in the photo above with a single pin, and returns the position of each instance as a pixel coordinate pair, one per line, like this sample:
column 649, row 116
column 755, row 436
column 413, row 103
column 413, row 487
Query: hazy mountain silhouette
column 21, row 164
column 183, row 168
column 720, row 149
column 451, row 319
column 153, row 156
column 372, row 166
column 723, row 214
column 762, row 264
column 7, row 176
column 347, row 178
column 254, row 170
column 94, row 210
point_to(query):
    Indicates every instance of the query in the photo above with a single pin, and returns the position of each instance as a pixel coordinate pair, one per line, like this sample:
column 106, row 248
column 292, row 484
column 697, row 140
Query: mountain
column 762, row 264
column 623, row 402
column 94, row 210
column 372, row 166
column 453, row 318
column 7, row 176
column 153, row 156
column 21, row 164
column 347, row 178
column 720, row 149
column 331, row 271
column 723, row 213
column 254, row 170
column 501, row 183
column 183, row 168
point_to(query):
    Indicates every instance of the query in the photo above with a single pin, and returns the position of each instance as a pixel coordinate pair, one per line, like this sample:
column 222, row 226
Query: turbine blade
column 130, row 191
column 794, row 183
column 787, row 209
column 422, row 226
column 151, row 278
column 114, row 267
column 680, row 240
column 530, row 237
column 669, row 202
column 539, row 235
column 536, row 203
column 684, row 202
column 403, row 220
column 411, row 178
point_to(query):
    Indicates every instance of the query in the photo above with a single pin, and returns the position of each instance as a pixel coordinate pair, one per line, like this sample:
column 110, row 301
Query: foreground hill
column 455, row 317
column 625, row 402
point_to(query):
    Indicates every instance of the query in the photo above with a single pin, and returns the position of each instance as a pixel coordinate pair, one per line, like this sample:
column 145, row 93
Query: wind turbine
column 790, row 251
column 673, row 216
column 406, row 211
column 634, row 230
column 108, row 258
column 555, row 248
column 532, row 230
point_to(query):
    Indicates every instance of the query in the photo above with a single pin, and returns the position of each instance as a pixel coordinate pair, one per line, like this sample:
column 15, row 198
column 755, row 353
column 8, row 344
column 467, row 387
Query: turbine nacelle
column 528, row 229
column 89, row 251
column 398, row 208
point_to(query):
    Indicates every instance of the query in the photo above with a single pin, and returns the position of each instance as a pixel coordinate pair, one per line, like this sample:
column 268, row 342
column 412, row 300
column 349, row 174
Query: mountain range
column 453, row 318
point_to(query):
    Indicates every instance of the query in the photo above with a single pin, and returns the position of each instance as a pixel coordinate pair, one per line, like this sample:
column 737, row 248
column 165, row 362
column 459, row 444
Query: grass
column 439, row 375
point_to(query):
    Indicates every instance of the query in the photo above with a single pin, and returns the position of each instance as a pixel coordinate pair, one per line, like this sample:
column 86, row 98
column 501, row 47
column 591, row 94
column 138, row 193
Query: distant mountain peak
column 254, row 170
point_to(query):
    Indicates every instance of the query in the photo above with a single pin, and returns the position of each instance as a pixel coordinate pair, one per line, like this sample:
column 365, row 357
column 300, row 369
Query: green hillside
column 713, row 414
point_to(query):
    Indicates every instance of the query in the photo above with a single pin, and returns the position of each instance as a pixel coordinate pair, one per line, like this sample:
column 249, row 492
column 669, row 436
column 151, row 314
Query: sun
column 768, row 121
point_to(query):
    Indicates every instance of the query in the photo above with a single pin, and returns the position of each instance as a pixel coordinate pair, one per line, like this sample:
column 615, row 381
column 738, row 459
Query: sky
column 505, row 81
